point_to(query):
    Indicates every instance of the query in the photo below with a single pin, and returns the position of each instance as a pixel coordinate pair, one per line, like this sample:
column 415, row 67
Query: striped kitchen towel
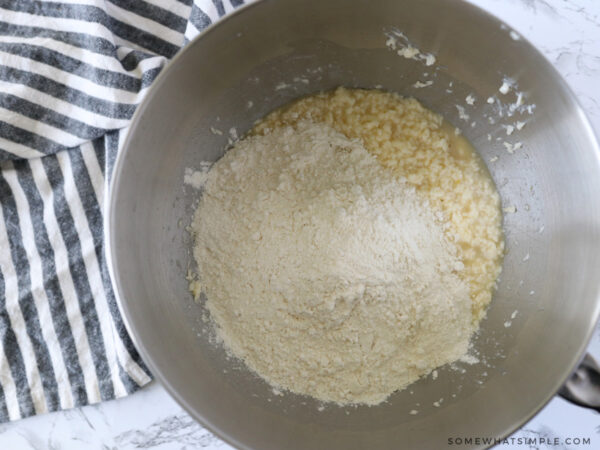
column 71, row 75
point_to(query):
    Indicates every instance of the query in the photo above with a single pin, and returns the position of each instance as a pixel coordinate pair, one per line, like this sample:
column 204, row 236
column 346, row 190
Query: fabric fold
column 71, row 76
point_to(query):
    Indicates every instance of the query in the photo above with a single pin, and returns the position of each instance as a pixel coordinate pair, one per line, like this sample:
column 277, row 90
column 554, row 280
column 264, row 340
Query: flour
column 415, row 144
column 420, row 84
column 197, row 178
column 398, row 42
column 323, row 271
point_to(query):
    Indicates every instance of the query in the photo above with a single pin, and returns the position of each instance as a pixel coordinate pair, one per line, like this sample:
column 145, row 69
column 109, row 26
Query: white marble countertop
column 568, row 33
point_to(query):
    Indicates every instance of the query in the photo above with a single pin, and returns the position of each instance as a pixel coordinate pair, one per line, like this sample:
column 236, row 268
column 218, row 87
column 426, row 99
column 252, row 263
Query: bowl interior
column 274, row 51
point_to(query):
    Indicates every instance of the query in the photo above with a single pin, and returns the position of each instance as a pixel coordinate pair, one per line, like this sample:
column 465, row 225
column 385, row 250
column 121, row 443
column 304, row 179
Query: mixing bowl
column 273, row 51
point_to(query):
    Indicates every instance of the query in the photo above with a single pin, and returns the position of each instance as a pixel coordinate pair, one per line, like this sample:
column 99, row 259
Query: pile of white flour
column 325, row 273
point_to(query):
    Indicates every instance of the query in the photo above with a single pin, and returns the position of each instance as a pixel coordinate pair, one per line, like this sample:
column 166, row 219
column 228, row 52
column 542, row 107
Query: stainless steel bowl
column 261, row 54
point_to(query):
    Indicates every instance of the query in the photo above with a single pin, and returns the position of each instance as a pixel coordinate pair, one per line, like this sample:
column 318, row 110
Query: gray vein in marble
column 179, row 428
column 35, row 442
column 4, row 426
column 533, row 5
column 85, row 417
column 581, row 12
column 50, row 434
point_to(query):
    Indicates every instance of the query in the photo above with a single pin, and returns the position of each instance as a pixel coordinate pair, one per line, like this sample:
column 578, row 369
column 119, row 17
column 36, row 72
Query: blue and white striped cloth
column 71, row 75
